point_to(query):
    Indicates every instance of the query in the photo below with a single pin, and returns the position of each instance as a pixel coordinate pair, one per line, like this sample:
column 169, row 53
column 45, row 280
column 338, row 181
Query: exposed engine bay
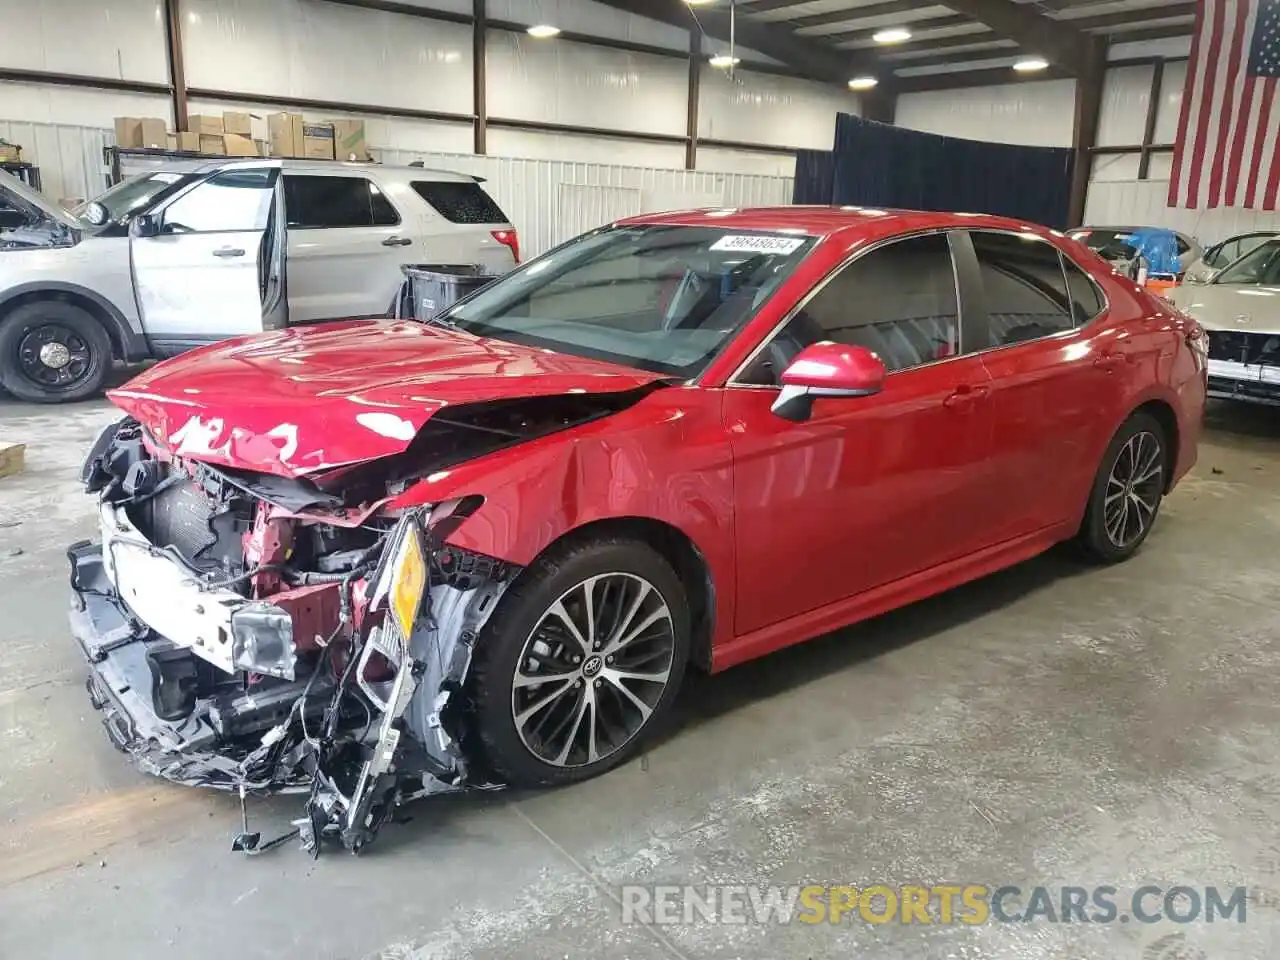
column 237, row 645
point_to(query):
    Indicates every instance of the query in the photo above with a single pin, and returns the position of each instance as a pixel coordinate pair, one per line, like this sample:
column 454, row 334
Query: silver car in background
column 1240, row 309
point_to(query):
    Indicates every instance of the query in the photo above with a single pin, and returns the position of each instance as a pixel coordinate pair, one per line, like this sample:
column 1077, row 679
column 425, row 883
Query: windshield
column 134, row 195
column 1108, row 244
column 660, row 298
column 1258, row 266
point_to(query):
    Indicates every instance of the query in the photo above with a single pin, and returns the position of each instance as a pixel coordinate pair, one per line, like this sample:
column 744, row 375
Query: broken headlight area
column 235, row 644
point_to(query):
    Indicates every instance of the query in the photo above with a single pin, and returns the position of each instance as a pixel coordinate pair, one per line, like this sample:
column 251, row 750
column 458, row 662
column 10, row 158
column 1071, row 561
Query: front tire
column 1127, row 491
column 580, row 663
column 52, row 351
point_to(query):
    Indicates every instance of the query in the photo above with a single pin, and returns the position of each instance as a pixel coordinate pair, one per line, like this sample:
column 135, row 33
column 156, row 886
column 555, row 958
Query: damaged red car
column 376, row 560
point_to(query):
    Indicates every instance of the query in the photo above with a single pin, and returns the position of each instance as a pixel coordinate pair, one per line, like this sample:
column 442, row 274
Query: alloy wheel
column 1134, row 487
column 593, row 670
column 53, row 355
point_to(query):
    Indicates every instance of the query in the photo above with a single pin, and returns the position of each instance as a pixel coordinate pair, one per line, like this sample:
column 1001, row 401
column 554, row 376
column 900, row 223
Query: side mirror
column 95, row 214
column 145, row 225
column 827, row 369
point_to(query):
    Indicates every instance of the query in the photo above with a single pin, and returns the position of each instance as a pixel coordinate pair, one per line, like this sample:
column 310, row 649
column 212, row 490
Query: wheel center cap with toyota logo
column 592, row 665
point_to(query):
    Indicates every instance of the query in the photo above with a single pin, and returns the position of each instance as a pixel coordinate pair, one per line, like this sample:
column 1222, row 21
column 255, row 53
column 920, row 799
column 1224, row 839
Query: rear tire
column 599, row 704
column 52, row 351
column 1127, row 491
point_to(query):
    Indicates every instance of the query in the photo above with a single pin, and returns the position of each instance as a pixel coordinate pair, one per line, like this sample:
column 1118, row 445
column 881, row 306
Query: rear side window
column 1023, row 286
column 1086, row 298
column 460, row 202
column 335, row 202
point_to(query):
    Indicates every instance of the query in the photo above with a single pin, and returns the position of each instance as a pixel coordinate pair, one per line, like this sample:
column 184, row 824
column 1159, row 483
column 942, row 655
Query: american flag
column 1225, row 154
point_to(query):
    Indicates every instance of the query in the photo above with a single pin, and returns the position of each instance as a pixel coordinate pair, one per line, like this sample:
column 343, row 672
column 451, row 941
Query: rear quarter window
column 460, row 202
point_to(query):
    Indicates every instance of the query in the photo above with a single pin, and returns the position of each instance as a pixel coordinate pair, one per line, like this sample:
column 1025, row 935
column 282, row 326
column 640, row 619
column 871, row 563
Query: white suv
column 193, row 254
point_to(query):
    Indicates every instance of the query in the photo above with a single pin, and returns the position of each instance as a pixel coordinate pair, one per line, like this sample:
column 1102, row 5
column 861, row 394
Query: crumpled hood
column 304, row 400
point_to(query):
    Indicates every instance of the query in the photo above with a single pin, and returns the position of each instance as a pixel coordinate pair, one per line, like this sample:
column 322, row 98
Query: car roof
column 825, row 221
column 332, row 166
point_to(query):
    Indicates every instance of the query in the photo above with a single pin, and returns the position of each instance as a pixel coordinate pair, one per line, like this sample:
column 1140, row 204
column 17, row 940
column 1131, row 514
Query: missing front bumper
column 358, row 748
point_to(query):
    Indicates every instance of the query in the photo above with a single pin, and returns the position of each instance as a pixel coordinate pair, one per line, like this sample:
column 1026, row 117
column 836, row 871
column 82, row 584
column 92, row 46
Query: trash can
column 431, row 288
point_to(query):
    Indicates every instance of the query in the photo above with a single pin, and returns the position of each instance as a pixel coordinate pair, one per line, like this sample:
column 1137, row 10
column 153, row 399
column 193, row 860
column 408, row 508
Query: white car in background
column 1240, row 310
column 1224, row 253
column 197, row 253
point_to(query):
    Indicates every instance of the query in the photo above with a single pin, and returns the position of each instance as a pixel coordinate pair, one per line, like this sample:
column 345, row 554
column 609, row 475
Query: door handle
column 228, row 252
column 1110, row 361
column 397, row 242
column 964, row 396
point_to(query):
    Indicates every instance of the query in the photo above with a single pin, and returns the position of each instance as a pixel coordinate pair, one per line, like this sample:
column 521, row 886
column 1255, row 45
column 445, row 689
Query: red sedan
column 377, row 559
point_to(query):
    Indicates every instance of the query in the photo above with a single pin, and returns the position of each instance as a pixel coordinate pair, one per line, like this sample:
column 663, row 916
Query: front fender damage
column 235, row 646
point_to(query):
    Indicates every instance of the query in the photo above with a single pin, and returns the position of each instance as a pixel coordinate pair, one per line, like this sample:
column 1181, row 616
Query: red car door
column 868, row 489
column 1058, row 380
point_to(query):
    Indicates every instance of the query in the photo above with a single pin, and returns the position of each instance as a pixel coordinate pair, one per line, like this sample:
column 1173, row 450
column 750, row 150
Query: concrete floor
column 1050, row 725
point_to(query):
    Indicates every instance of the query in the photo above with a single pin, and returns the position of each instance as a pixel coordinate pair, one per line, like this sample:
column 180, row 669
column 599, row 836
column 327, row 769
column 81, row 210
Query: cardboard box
column 155, row 133
column 187, row 141
column 204, row 124
column 234, row 145
column 141, row 132
column 12, row 457
column 10, row 153
column 128, row 132
column 240, row 124
column 212, row 144
column 284, row 134
column 317, row 141
column 171, row 141
column 348, row 140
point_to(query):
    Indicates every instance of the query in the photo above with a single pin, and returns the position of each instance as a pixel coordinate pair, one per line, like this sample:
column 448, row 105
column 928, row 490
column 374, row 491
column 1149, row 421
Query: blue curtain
column 814, row 172
column 880, row 165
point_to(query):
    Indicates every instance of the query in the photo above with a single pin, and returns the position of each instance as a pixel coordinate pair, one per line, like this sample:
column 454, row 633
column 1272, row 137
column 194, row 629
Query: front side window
column 898, row 301
column 661, row 298
column 1023, row 287
column 316, row 203
column 231, row 201
column 1259, row 266
column 1223, row 253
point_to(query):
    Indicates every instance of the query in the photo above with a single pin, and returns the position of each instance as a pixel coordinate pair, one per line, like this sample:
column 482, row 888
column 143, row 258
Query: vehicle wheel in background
column 52, row 351
column 580, row 662
column 1126, row 494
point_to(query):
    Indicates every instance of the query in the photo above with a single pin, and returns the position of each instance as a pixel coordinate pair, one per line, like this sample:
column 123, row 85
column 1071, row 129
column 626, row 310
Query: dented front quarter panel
column 666, row 459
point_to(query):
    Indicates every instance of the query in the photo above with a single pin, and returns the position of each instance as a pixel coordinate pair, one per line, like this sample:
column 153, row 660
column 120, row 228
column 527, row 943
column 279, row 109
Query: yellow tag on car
column 410, row 581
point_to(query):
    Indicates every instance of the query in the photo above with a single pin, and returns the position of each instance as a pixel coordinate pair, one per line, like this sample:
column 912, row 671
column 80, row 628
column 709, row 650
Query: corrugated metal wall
column 549, row 201
column 1146, row 202
column 69, row 156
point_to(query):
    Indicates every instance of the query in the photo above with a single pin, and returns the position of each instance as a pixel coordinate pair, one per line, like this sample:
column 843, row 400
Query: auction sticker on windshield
column 748, row 244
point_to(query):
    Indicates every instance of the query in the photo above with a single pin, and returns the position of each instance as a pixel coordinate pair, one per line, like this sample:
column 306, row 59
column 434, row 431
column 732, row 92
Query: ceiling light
column 892, row 35
column 724, row 61
column 543, row 30
column 862, row 83
column 1031, row 64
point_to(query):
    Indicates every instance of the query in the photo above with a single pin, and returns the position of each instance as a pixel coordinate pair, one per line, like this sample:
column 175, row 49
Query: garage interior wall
column 1041, row 113
column 557, row 99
